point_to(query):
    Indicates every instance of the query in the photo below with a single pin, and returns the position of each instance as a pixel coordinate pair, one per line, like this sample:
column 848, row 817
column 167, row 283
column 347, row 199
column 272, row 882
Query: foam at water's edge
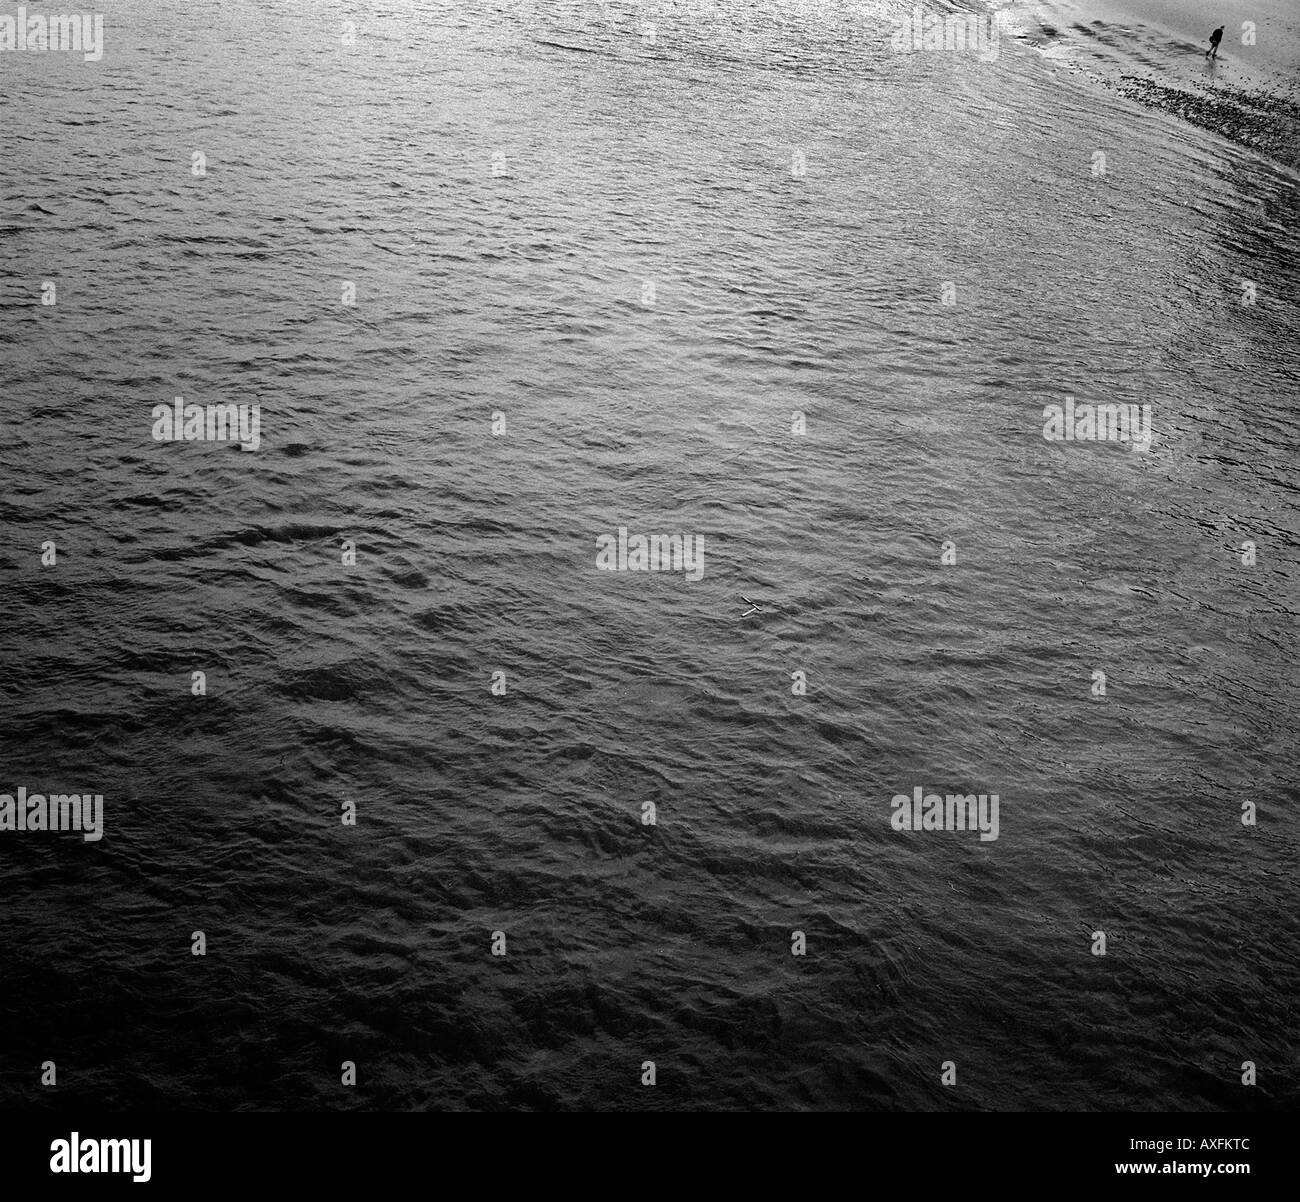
column 1263, row 124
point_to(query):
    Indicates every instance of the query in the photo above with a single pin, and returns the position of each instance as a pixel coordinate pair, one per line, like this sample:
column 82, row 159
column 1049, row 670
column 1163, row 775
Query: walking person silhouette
column 1215, row 38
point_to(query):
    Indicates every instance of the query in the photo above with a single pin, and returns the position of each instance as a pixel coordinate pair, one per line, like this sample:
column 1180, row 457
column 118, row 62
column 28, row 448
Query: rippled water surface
column 646, row 250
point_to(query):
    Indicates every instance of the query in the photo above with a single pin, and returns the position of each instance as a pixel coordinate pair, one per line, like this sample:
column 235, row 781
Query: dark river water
column 741, row 272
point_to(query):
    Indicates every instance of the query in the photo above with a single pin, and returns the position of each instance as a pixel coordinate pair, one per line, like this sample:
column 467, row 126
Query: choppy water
column 500, row 182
